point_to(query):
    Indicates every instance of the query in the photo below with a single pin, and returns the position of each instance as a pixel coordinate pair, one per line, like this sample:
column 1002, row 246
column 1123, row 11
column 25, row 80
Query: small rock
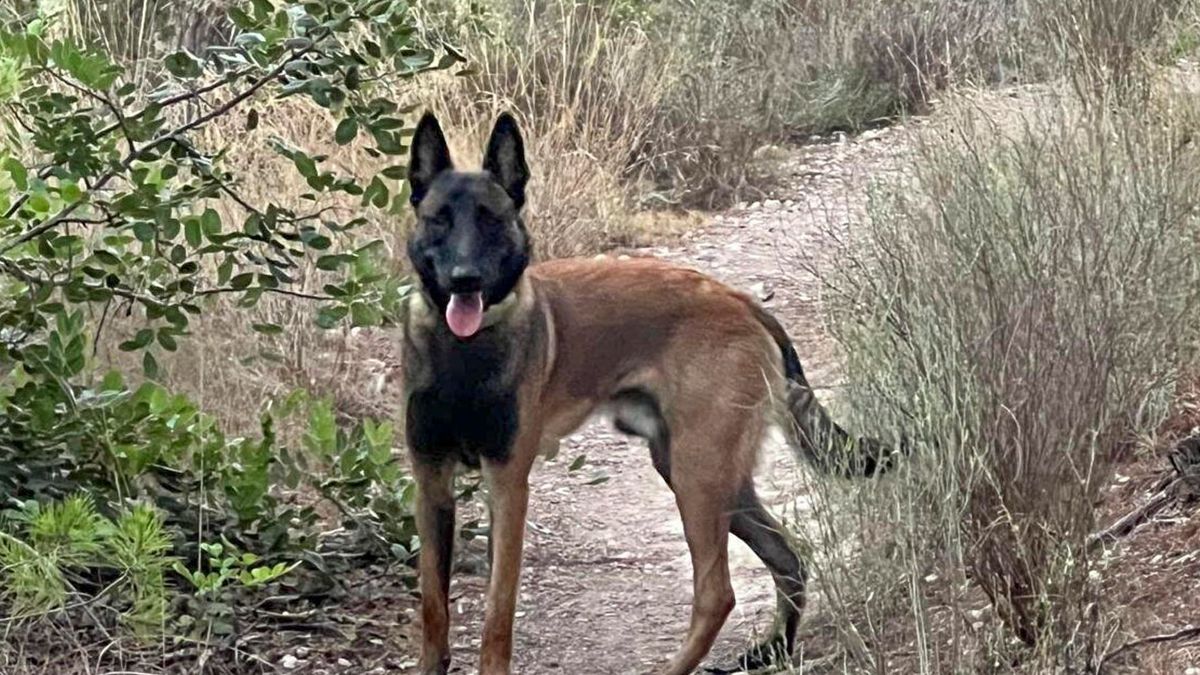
column 345, row 663
column 289, row 661
column 871, row 135
column 1192, row 671
column 770, row 152
column 302, row 652
column 754, row 206
column 761, row 291
column 771, row 204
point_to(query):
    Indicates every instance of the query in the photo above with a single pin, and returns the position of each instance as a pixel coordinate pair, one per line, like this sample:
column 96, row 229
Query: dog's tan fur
column 502, row 360
column 607, row 325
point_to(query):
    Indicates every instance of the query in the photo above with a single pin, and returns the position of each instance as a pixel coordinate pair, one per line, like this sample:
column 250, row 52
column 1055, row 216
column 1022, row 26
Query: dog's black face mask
column 469, row 247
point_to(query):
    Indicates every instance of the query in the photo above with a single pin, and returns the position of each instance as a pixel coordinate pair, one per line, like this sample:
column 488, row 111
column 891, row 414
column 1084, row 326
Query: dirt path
column 607, row 580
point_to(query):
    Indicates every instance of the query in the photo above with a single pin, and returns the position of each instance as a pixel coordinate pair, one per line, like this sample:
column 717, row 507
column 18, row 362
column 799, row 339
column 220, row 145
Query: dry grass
column 1021, row 307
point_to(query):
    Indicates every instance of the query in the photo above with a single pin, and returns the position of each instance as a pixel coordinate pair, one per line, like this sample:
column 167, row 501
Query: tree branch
column 280, row 291
column 57, row 219
column 1182, row 634
column 165, row 103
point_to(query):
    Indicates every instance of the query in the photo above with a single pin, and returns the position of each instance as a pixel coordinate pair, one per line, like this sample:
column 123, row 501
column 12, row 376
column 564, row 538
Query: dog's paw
column 769, row 654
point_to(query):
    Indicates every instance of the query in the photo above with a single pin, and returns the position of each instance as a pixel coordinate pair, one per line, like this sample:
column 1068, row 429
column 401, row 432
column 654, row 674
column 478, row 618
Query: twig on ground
column 1183, row 633
column 1129, row 522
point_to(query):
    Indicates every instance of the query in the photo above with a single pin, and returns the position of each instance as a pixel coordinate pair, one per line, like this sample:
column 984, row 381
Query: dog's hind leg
column 706, row 526
column 765, row 536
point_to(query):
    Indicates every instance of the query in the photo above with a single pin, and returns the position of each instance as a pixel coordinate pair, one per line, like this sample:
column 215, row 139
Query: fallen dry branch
column 1128, row 522
column 1182, row 634
column 1184, row 458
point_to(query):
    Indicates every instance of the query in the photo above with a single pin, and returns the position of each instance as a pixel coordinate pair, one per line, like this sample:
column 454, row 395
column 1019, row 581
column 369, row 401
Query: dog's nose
column 465, row 278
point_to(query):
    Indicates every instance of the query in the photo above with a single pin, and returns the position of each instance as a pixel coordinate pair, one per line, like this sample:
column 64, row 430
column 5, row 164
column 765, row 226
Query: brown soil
column 607, row 579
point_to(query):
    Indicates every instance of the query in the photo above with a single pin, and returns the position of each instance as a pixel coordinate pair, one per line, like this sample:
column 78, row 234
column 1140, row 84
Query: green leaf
column 241, row 19
column 167, row 340
column 241, row 281
column 268, row 328
column 210, row 222
column 17, row 170
column 305, row 165
column 183, row 65
column 70, row 192
column 347, row 129
column 144, row 231
column 224, row 270
column 331, row 263
column 395, row 172
column 578, row 463
column 191, row 232
column 150, row 365
column 363, row 314
column 107, row 258
column 376, row 194
column 113, row 381
column 329, row 316
column 262, row 8
column 139, row 341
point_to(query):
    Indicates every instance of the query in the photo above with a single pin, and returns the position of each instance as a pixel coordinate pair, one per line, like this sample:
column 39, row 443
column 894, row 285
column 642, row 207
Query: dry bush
column 860, row 63
column 668, row 103
column 762, row 72
column 1021, row 308
column 1106, row 46
column 585, row 84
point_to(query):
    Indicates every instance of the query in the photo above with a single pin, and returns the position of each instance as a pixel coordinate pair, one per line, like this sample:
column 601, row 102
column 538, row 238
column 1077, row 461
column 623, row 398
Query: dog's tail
column 816, row 436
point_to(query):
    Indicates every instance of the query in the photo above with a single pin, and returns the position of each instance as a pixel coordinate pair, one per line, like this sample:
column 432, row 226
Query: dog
column 502, row 358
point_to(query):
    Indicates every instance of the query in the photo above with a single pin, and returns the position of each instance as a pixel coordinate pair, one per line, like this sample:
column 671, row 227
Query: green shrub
column 118, row 215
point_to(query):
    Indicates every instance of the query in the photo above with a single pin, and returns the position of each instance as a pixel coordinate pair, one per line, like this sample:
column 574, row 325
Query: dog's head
column 469, row 247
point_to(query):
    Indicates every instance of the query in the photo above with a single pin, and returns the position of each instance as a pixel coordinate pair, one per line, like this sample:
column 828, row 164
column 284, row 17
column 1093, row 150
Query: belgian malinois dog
column 502, row 358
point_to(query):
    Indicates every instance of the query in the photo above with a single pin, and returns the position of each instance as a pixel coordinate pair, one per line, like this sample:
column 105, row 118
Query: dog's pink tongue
column 464, row 314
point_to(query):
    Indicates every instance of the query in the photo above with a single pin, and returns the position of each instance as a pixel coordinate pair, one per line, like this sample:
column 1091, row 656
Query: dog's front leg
column 435, row 525
column 508, row 483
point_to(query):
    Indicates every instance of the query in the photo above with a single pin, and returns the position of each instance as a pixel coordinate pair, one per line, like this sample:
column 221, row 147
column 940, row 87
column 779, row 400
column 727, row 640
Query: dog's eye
column 489, row 221
column 436, row 225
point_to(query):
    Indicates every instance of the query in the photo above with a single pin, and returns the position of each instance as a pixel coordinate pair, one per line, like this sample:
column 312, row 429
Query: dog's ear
column 430, row 156
column 505, row 158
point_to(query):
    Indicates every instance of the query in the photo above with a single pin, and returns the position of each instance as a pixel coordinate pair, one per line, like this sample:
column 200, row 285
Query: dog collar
column 421, row 309
column 499, row 311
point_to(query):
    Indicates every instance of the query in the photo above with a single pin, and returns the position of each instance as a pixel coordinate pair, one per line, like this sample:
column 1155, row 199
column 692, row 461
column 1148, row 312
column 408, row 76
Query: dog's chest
column 462, row 398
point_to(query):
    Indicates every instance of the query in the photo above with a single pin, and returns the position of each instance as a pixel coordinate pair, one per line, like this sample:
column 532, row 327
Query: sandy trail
column 607, row 580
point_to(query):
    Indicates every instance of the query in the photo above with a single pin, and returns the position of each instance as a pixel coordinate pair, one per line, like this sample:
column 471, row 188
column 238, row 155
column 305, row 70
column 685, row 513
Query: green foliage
column 217, row 591
column 114, row 208
column 59, row 551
